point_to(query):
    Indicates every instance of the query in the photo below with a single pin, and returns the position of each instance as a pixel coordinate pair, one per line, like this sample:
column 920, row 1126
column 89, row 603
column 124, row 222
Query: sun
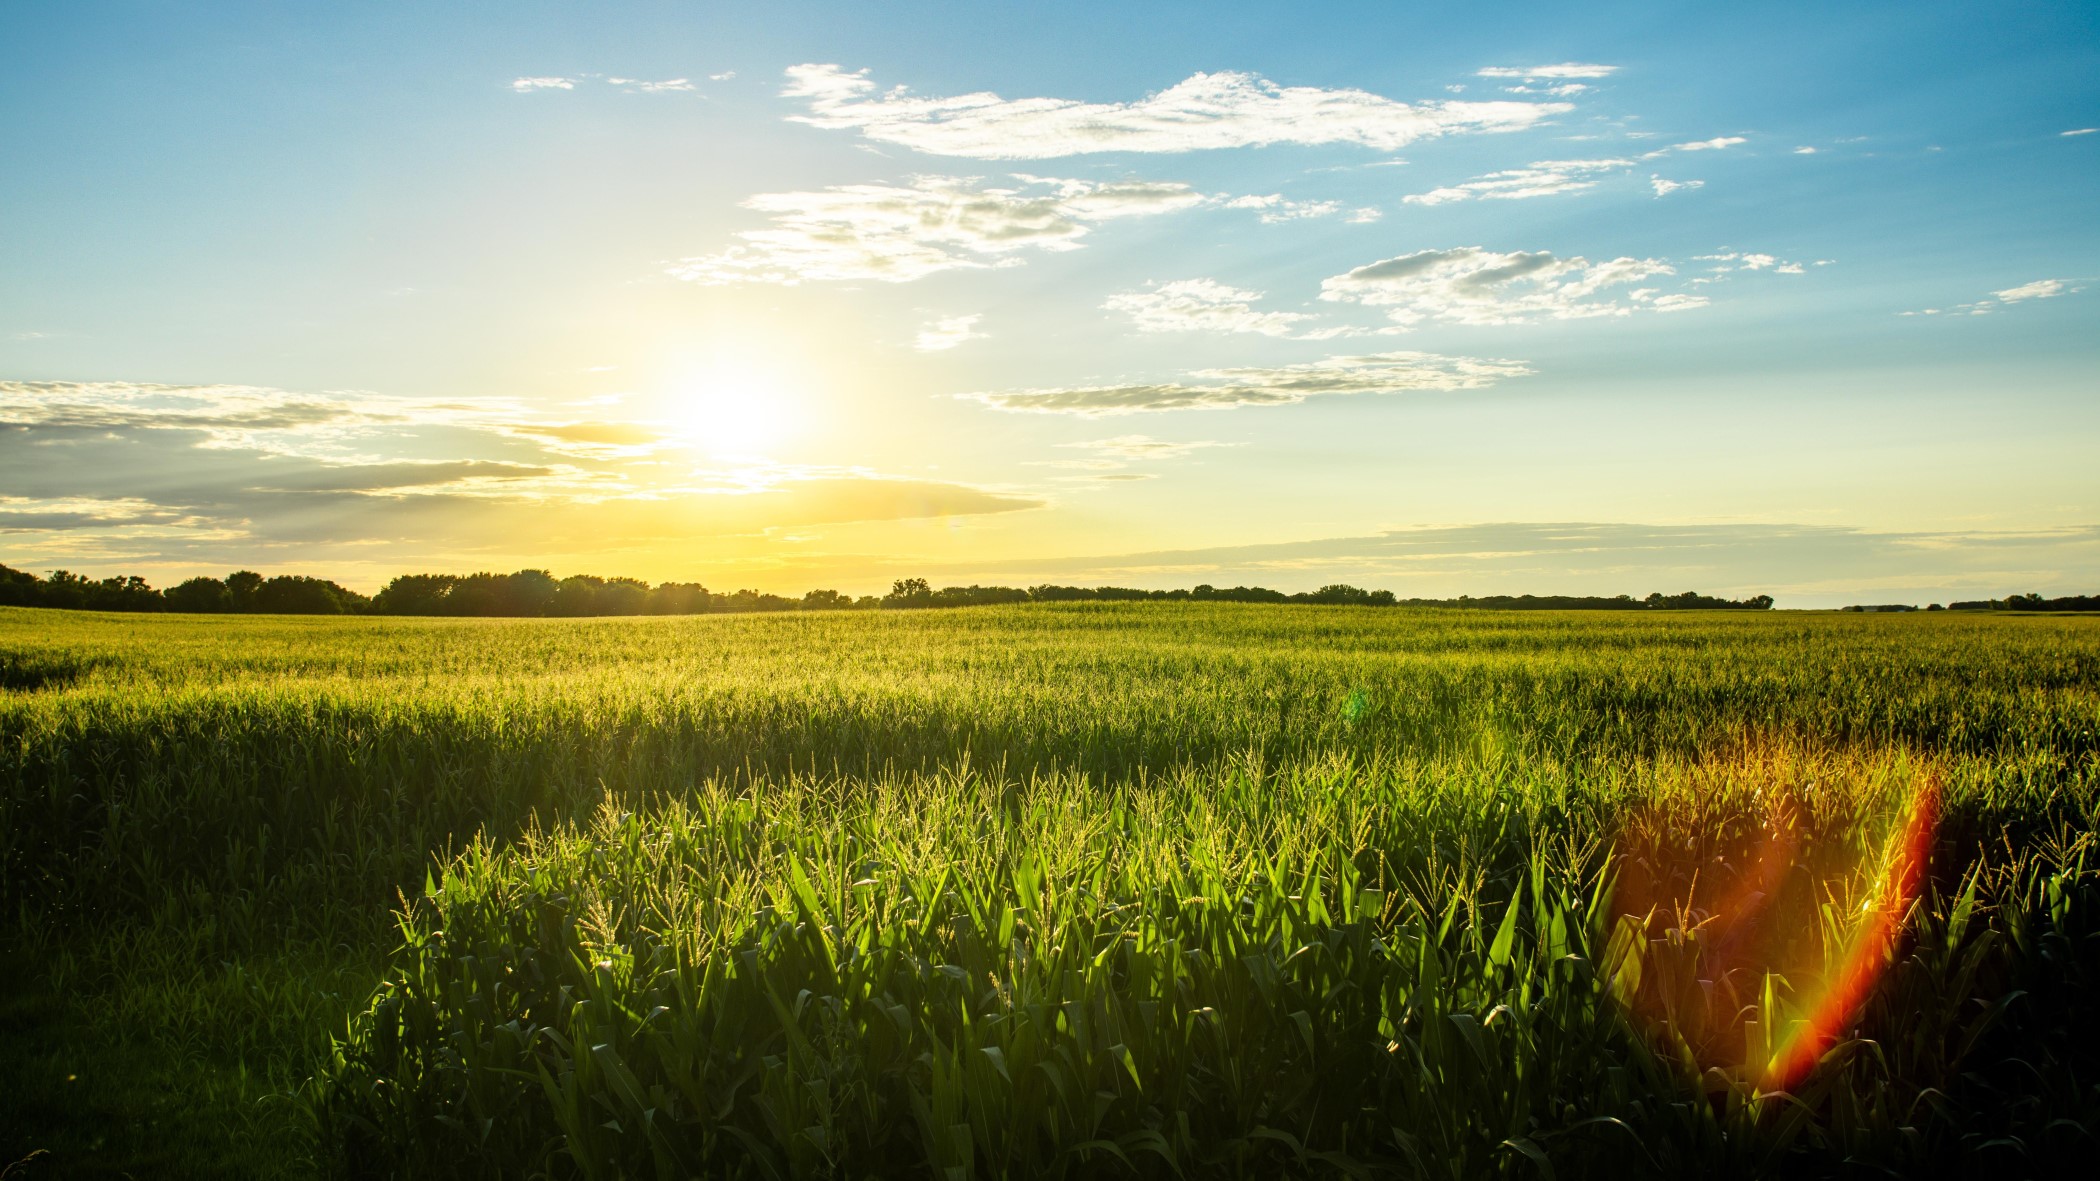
column 728, row 408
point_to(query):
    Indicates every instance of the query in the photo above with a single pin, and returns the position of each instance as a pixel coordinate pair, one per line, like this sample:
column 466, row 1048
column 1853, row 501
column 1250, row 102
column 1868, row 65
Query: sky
column 1448, row 299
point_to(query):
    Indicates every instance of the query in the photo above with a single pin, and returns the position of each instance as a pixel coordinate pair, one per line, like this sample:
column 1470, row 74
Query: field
column 1163, row 890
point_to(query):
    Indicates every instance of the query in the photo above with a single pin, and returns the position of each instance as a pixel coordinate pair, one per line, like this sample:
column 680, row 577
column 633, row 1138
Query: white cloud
column 2079, row 131
column 898, row 233
column 1223, row 389
column 639, row 86
column 948, row 332
column 1804, row 151
column 1664, row 188
column 1206, row 305
column 1364, row 215
column 1545, row 178
column 1275, row 208
column 724, row 76
column 1709, row 145
column 527, row 85
column 1735, row 260
column 1469, row 285
column 1563, row 70
column 2039, row 289
column 1219, row 110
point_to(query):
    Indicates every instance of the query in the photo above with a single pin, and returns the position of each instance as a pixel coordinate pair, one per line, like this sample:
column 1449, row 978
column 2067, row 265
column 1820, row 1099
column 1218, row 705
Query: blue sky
column 1447, row 300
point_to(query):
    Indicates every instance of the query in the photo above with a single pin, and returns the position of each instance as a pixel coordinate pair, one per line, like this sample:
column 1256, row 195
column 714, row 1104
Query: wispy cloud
column 1562, row 70
column 638, row 86
column 1274, row 207
column 1144, row 447
column 2079, row 131
column 1470, row 285
column 528, row 85
column 1206, row 305
column 1218, row 110
column 898, row 233
column 1664, row 187
column 2038, row 289
column 1224, row 389
column 1544, row 178
column 1552, row 178
column 947, row 332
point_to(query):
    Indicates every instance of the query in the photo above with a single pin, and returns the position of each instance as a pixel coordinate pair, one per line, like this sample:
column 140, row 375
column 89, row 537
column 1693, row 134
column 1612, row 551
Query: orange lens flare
column 1868, row 953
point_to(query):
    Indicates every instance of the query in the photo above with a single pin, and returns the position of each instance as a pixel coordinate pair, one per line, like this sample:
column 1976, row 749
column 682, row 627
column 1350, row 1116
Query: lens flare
column 1903, row 875
column 1719, row 898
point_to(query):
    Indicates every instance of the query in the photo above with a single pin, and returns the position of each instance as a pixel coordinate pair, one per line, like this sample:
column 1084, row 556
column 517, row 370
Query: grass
column 1053, row 890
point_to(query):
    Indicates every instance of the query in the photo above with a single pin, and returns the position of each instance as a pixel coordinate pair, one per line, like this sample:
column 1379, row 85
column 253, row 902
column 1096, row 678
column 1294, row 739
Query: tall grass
column 1159, row 889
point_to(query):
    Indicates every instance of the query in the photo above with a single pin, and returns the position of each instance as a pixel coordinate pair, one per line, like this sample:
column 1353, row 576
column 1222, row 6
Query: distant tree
column 623, row 596
column 243, row 585
column 414, row 594
column 66, row 589
column 20, row 588
column 826, row 600
column 297, row 594
column 679, row 598
column 748, row 600
column 577, row 595
column 909, row 592
column 199, row 596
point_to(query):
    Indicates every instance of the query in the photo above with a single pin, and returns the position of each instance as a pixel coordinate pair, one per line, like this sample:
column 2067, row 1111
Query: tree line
column 537, row 593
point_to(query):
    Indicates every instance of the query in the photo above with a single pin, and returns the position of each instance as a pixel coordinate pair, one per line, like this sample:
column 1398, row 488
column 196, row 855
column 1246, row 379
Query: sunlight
column 728, row 407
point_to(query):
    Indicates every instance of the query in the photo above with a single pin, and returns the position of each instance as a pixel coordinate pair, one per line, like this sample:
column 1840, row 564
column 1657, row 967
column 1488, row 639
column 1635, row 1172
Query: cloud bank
column 111, row 472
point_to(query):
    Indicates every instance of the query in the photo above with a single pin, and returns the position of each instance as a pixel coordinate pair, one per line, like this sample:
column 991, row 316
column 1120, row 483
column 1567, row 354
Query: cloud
column 898, row 233
column 724, row 76
column 947, row 332
column 106, row 471
column 1364, row 216
column 1469, row 285
column 1220, row 110
column 1804, row 151
column 1801, row 565
column 2038, row 289
column 1223, row 389
column 1275, row 208
column 1206, row 305
column 1143, row 447
column 1664, row 188
column 1545, row 178
column 1563, row 70
column 637, row 86
column 2079, row 131
column 528, row 85
column 1549, row 178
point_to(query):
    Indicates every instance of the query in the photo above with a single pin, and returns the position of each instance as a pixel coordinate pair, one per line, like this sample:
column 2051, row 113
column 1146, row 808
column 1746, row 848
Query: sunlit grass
column 1066, row 890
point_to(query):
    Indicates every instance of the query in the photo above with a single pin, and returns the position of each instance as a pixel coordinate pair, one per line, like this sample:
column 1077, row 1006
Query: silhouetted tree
column 199, row 596
column 242, row 585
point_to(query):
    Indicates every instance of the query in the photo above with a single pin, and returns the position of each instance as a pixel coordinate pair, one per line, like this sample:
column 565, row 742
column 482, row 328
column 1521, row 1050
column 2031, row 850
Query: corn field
column 1170, row 890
